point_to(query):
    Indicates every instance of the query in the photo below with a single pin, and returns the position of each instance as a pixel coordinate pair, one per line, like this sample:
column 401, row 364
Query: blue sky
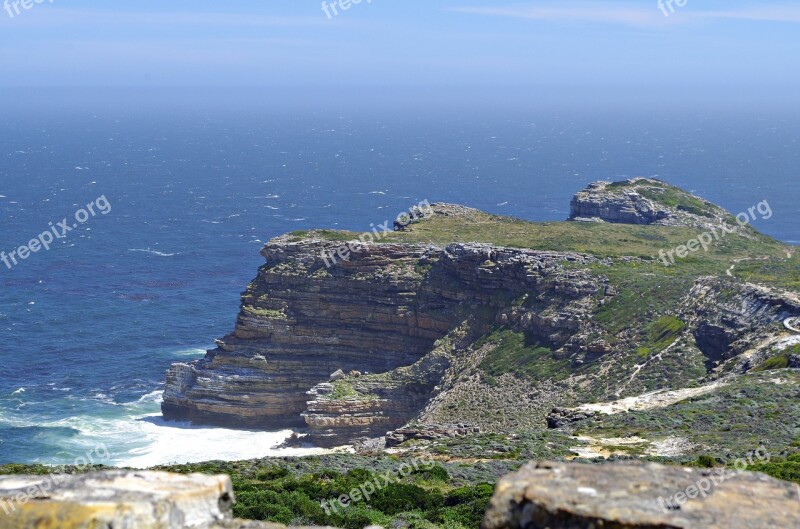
column 712, row 45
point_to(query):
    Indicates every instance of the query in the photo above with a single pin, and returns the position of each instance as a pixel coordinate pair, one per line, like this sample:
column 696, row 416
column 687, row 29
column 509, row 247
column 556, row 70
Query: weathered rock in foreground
column 119, row 500
column 640, row 496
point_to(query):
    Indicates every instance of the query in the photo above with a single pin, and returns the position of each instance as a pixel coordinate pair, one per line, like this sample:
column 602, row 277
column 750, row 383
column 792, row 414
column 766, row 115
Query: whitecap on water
column 150, row 251
column 175, row 443
column 193, row 351
column 145, row 439
column 152, row 397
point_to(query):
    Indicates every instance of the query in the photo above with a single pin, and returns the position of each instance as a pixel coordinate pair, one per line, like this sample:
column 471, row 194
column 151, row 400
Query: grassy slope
column 760, row 259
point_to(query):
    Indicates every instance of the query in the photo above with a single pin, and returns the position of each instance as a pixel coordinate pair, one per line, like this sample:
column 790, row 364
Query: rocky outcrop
column 430, row 432
column 561, row 417
column 640, row 496
column 367, row 406
column 731, row 318
column 598, row 203
column 644, row 201
column 120, row 499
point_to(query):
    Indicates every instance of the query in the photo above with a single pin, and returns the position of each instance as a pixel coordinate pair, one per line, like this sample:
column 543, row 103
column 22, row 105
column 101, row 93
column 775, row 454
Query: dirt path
column 648, row 401
column 792, row 324
column 600, row 447
column 729, row 271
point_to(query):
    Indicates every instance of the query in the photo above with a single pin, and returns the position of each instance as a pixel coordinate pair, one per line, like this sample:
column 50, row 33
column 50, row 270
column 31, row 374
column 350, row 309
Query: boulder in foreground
column 640, row 496
column 121, row 500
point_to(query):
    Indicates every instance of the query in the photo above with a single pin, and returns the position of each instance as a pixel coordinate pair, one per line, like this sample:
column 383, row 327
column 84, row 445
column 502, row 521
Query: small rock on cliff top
column 644, row 201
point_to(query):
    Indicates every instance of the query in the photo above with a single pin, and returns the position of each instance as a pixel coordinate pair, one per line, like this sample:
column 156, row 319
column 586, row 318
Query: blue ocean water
column 89, row 327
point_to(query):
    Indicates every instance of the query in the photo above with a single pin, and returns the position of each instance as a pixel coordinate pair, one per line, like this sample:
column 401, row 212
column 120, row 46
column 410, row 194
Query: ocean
column 90, row 326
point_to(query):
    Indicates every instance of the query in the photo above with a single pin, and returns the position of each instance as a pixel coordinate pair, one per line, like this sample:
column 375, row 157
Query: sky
column 708, row 50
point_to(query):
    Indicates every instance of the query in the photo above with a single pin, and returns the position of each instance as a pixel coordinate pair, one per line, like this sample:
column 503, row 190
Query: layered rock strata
column 377, row 315
column 301, row 321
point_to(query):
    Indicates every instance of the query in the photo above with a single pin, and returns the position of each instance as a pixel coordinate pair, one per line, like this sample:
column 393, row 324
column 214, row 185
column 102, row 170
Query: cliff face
column 300, row 322
column 378, row 317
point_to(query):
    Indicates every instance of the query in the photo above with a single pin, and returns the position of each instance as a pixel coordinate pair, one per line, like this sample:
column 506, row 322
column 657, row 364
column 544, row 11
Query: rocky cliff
column 300, row 322
column 462, row 320
column 387, row 317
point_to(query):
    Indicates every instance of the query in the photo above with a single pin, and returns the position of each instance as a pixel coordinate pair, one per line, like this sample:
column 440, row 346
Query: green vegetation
column 786, row 468
column 780, row 271
column 731, row 420
column 599, row 239
column 643, row 290
column 522, row 355
column 329, row 235
column 342, row 390
column 780, row 361
column 293, row 492
column 663, row 332
column 679, row 200
column 668, row 195
column 776, row 362
column 264, row 313
column 706, row 461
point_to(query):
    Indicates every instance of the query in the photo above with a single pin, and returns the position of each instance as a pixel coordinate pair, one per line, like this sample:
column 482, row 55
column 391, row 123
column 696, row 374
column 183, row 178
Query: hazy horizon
column 616, row 55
